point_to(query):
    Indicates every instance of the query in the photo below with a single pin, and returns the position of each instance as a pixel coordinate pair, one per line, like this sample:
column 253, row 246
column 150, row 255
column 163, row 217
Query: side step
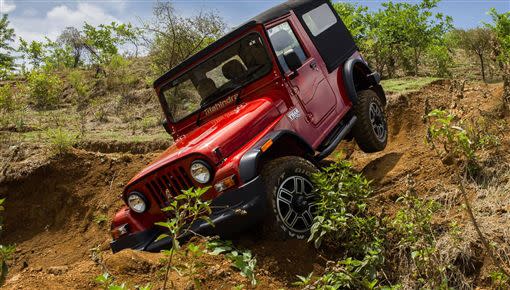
column 337, row 139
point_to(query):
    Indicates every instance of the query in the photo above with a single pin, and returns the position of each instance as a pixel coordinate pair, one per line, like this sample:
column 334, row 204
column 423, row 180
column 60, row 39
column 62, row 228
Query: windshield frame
column 211, row 101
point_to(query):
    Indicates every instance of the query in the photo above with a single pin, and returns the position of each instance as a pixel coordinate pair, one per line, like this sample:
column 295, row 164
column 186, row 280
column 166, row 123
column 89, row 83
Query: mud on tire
column 371, row 129
column 290, row 197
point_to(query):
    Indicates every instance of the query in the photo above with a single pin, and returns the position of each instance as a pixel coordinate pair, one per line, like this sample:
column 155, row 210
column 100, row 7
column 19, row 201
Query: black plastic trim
column 232, row 211
column 337, row 139
column 249, row 162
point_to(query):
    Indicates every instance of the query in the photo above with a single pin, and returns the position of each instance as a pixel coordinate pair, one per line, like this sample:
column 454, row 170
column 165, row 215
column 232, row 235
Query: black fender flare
column 248, row 165
column 374, row 79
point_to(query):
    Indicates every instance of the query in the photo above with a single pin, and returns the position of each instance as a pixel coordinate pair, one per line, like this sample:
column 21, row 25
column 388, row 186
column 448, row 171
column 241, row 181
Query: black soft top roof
column 264, row 17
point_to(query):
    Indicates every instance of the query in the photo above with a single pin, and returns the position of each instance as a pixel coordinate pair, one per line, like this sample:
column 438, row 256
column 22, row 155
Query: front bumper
column 232, row 212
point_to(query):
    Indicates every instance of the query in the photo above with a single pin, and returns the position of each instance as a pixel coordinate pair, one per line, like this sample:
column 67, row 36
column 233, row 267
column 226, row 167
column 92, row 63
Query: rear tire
column 371, row 129
column 290, row 197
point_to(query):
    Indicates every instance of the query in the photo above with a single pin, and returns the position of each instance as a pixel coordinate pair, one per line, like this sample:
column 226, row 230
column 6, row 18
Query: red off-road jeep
column 250, row 115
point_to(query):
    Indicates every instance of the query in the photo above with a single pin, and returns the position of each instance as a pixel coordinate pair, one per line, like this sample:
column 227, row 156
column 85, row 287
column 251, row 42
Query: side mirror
column 167, row 128
column 292, row 59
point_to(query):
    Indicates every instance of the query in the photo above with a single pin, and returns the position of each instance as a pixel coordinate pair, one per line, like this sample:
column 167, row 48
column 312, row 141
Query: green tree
column 501, row 48
column 101, row 42
column 356, row 18
column 6, row 39
column 32, row 52
column 476, row 41
column 57, row 55
column 405, row 30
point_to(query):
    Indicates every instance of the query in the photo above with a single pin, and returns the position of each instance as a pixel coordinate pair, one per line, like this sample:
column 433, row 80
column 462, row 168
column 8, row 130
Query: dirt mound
column 125, row 147
column 58, row 208
column 58, row 211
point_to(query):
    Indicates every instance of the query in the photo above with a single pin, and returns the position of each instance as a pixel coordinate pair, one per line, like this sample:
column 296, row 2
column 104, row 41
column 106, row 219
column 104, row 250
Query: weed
column 148, row 122
column 500, row 280
column 5, row 251
column 242, row 260
column 416, row 244
column 100, row 219
column 185, row 209
column 7, row 101
column 462, row 145
column 61, row 140
column 81, row 87
column 100, row 113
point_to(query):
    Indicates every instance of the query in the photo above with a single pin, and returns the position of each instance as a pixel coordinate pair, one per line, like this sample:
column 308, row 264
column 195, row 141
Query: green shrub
column 341, row 209
column 44, row 89
column 342, row 219
column 184, row 210
column 119, row 73
column 412, row 226
column 78, row 80
column 7, row 101
column 61, row 140
column 440, row 59
column 242, row 260
column 5, row 251
column 107, row 282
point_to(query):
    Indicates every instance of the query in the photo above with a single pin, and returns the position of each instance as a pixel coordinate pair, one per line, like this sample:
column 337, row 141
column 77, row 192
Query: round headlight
column 137, row 202
column 200, row 171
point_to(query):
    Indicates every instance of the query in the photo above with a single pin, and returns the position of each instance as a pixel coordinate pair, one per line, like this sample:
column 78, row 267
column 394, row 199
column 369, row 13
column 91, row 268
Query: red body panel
column 234, row 128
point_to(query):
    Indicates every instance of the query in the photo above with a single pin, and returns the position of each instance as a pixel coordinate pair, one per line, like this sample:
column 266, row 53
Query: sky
column 36, row 19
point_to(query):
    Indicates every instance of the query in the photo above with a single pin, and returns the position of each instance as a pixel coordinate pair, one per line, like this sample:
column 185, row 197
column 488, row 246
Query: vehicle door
column 303, row 72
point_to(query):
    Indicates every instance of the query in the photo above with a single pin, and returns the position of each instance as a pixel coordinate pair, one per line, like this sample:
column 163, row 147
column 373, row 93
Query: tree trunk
column 482, row 67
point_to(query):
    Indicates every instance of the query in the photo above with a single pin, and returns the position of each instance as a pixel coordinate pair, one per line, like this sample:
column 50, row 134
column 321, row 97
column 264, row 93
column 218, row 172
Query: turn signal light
column 266, row 145
column 119, row 231
column 225, row 184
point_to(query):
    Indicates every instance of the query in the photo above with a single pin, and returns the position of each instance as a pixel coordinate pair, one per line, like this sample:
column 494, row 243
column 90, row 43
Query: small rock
column 14, row 278
column 57, row 270
column 24, row 265
column 37, row 269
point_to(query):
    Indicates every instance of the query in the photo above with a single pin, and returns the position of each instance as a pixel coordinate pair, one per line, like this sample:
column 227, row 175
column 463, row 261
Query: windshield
column 238, row 64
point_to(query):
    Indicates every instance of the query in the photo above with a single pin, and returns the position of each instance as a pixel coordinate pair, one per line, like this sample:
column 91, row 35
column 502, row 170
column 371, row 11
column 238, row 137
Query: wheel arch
column 357, row 76
column 283, row 143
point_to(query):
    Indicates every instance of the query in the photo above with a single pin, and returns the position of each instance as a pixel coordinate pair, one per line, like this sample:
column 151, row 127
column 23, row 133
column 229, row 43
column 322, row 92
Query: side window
column 319, row 19
column 283, row 38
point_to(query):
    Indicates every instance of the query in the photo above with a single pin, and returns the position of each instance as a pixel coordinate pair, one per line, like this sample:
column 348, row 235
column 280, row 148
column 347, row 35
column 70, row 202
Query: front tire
column 290, row 196
column 371, row 129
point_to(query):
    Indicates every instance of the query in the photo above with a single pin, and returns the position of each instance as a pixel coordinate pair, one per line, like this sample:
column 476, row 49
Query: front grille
column 170, row 181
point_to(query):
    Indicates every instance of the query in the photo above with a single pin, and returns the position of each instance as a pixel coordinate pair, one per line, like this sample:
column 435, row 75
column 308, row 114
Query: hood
column 226, row 133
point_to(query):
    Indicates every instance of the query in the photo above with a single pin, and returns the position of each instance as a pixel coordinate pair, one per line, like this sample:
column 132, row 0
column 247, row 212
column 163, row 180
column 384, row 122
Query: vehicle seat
column 206, row 87
column 233, row 69
column 282, row 41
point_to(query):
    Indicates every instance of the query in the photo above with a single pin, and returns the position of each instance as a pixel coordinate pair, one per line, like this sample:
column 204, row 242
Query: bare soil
column 56, row 205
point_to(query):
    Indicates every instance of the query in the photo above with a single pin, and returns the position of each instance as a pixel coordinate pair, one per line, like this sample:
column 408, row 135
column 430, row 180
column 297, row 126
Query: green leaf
column 162, row 236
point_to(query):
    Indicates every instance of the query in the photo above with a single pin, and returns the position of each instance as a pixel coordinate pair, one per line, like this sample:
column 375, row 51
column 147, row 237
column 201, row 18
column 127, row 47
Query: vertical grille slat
column 174, row 179
column 180, row 179
column 160, row 193
column 154, row 193
column 183, row 173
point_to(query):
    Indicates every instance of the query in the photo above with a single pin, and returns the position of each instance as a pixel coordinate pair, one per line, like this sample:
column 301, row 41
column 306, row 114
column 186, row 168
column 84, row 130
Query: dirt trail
column 56, row 207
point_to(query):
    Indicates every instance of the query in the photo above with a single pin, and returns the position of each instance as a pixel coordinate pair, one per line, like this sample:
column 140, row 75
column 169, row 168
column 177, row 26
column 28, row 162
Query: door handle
column 313, row 65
